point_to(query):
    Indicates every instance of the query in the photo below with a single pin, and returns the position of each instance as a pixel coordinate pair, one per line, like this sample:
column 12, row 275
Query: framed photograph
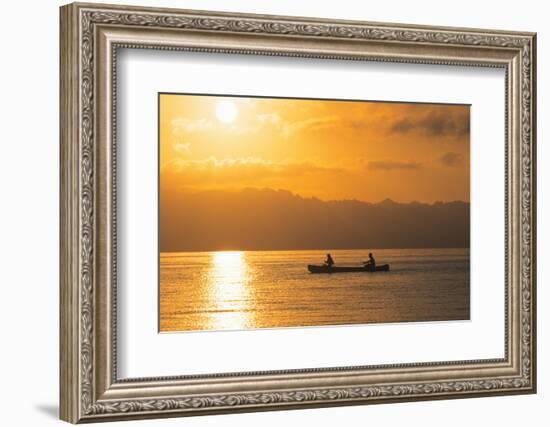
column 265, row 212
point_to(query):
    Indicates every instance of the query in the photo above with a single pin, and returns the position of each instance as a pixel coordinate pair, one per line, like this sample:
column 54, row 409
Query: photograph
column 298, row 212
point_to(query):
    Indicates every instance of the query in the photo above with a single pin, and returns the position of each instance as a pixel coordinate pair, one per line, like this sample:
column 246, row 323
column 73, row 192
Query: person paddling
column 329, row 261
column 371, row 263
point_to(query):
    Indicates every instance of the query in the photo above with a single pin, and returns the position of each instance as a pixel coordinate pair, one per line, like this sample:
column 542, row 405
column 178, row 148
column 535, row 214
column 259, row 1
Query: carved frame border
column 87, row 397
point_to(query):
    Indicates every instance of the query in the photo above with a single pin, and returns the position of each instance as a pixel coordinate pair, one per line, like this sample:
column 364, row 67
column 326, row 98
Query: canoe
column 318, row 269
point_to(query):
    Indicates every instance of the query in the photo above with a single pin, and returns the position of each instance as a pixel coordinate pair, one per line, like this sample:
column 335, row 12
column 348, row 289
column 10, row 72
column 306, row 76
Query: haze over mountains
column 266, row 219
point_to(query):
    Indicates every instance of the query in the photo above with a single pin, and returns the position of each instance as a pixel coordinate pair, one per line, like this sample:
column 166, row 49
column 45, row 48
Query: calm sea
column 273, row 289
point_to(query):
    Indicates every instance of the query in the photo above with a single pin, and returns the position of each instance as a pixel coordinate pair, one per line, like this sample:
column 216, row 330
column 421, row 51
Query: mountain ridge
column 267, row 219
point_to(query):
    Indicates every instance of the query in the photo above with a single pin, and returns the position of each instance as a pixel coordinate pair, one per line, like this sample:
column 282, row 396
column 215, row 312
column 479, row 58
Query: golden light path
column 229, row 291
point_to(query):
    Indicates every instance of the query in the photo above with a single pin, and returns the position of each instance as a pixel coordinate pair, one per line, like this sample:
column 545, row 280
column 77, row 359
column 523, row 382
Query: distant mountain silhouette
column 267, row 219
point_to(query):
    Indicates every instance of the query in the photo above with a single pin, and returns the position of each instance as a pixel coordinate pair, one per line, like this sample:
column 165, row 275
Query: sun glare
column 230, row 291
column 226, row 111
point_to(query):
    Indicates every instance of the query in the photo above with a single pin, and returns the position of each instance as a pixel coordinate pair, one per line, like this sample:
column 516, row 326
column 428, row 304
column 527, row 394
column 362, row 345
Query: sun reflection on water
column 229, row 291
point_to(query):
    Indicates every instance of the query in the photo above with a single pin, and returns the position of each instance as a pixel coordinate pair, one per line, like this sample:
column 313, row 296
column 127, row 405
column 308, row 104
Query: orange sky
column 332, row 150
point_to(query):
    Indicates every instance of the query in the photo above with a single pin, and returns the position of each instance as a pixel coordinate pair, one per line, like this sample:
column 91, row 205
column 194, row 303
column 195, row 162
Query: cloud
column 289, row 128
column 402, row 126
column 183, row 125
column 271, row 118
column 388, row 165
column 451, row 159
column 267, row 121
column 312, row 124
column 437, row 122
column 213, row 172
column 183, row 147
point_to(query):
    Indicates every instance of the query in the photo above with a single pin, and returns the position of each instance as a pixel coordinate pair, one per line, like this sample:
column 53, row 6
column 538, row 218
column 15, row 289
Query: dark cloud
column 436, row 123
column 387, row 165
column 402, row 126
column 451, row 159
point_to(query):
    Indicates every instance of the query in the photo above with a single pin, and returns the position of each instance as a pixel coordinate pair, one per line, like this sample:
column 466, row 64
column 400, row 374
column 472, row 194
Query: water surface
column 273, row 289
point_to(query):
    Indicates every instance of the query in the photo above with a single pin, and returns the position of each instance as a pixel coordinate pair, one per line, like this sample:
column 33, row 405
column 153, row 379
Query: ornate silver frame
column 90, row 36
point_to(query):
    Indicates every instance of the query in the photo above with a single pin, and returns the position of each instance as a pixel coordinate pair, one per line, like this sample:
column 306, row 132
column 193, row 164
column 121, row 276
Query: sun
column 226, row 111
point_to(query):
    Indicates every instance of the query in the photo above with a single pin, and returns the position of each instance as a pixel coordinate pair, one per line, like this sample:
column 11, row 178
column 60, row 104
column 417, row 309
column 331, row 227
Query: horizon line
column 312, row 249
